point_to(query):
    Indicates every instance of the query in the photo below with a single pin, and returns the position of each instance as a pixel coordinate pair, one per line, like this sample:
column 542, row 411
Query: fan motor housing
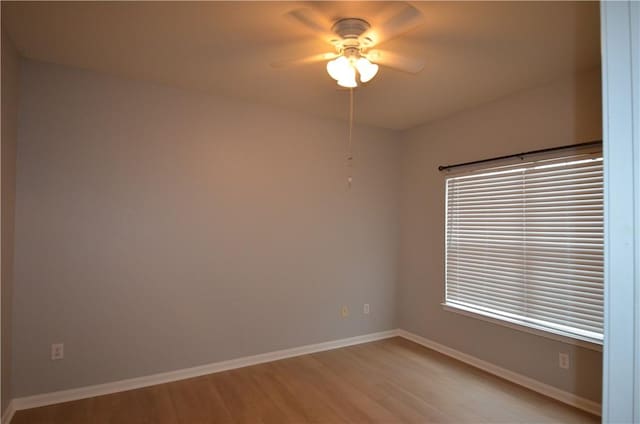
column 350, row 30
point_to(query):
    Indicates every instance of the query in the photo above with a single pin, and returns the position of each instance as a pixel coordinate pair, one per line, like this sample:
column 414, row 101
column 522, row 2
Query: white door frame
column 620, row 27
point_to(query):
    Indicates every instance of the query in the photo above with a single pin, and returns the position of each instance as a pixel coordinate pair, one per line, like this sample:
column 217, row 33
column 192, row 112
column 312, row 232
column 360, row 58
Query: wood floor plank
column 197, row 401
column 317, row 407
column 149, row 405
column 76, row 412
column 266, row 380
column 353, row 402
column 373, row 382
column 306, row 377
column 388, row 381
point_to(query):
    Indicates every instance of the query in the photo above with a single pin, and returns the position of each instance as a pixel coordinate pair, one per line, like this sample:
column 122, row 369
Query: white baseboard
column 7, row 415
column 166, row 377
column 535, row 385
column 150, row 380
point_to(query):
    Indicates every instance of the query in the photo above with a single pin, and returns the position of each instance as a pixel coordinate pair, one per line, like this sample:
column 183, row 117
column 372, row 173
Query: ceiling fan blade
column 304, row 60
column 313, row 21
column 397, row 21
column 396, row 61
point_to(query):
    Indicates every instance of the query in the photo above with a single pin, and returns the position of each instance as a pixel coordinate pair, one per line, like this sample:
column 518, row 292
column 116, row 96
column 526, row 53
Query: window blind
column 525, row 243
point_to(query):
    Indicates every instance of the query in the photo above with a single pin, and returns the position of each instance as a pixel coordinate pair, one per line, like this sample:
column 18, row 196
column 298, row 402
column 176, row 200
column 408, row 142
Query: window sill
column 506, row 322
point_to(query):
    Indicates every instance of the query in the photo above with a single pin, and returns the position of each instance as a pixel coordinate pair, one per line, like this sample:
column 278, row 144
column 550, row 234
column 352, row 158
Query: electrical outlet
column 563, row 361
column 366, row 308
column 57, row 351
column 345, row 312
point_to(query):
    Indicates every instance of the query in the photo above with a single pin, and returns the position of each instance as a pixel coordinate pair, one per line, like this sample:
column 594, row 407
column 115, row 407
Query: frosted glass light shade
column 348, row 78
column 339, row 68
column 366, row 69
column 343, row 70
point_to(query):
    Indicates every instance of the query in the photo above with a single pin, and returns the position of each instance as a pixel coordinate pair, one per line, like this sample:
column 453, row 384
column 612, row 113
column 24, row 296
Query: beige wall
column 159, row 229
column 565, row 112
column 10, row 85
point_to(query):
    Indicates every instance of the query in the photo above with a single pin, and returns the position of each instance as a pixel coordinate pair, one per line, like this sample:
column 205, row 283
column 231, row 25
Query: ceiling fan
column 353, row 40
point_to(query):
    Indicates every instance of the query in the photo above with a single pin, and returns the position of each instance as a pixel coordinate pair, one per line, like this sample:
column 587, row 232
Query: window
column 524, row 244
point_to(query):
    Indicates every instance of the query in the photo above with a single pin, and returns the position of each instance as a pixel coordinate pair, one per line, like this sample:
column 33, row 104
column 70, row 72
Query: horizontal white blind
column 525, row 242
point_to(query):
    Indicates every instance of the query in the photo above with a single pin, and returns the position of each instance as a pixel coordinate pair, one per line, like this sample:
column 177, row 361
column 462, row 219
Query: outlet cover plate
column 563, row 361
column 57, row 351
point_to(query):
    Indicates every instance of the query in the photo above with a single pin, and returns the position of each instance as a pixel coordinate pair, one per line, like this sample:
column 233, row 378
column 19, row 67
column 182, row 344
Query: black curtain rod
column 520, row 155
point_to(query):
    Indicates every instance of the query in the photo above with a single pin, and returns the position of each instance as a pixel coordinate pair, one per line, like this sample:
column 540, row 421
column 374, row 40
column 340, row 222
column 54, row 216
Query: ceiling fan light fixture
column 366, row 69
column 348, row 78
column 339, row 68
column 343, row 70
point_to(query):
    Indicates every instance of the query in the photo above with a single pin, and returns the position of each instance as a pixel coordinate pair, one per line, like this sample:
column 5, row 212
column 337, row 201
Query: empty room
column 320, row 212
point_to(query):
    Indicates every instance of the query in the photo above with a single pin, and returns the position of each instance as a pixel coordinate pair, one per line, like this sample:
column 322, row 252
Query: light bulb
column 366, row 69
column 348, row 79
column 338, row 68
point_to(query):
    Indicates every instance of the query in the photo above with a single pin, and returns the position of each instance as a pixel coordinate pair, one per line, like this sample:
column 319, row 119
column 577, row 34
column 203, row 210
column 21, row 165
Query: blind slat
column 508, row 278
column 537, row 260
column 544, row 308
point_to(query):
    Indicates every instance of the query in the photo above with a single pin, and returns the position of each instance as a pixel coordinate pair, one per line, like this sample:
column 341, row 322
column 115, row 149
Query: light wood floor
column 388, row 381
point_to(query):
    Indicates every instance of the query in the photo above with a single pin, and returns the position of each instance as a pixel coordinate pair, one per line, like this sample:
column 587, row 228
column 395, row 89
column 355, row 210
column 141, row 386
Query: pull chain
column 350, row 146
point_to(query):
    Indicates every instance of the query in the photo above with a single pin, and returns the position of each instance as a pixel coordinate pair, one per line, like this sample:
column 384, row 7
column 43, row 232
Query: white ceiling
column 474, row 51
